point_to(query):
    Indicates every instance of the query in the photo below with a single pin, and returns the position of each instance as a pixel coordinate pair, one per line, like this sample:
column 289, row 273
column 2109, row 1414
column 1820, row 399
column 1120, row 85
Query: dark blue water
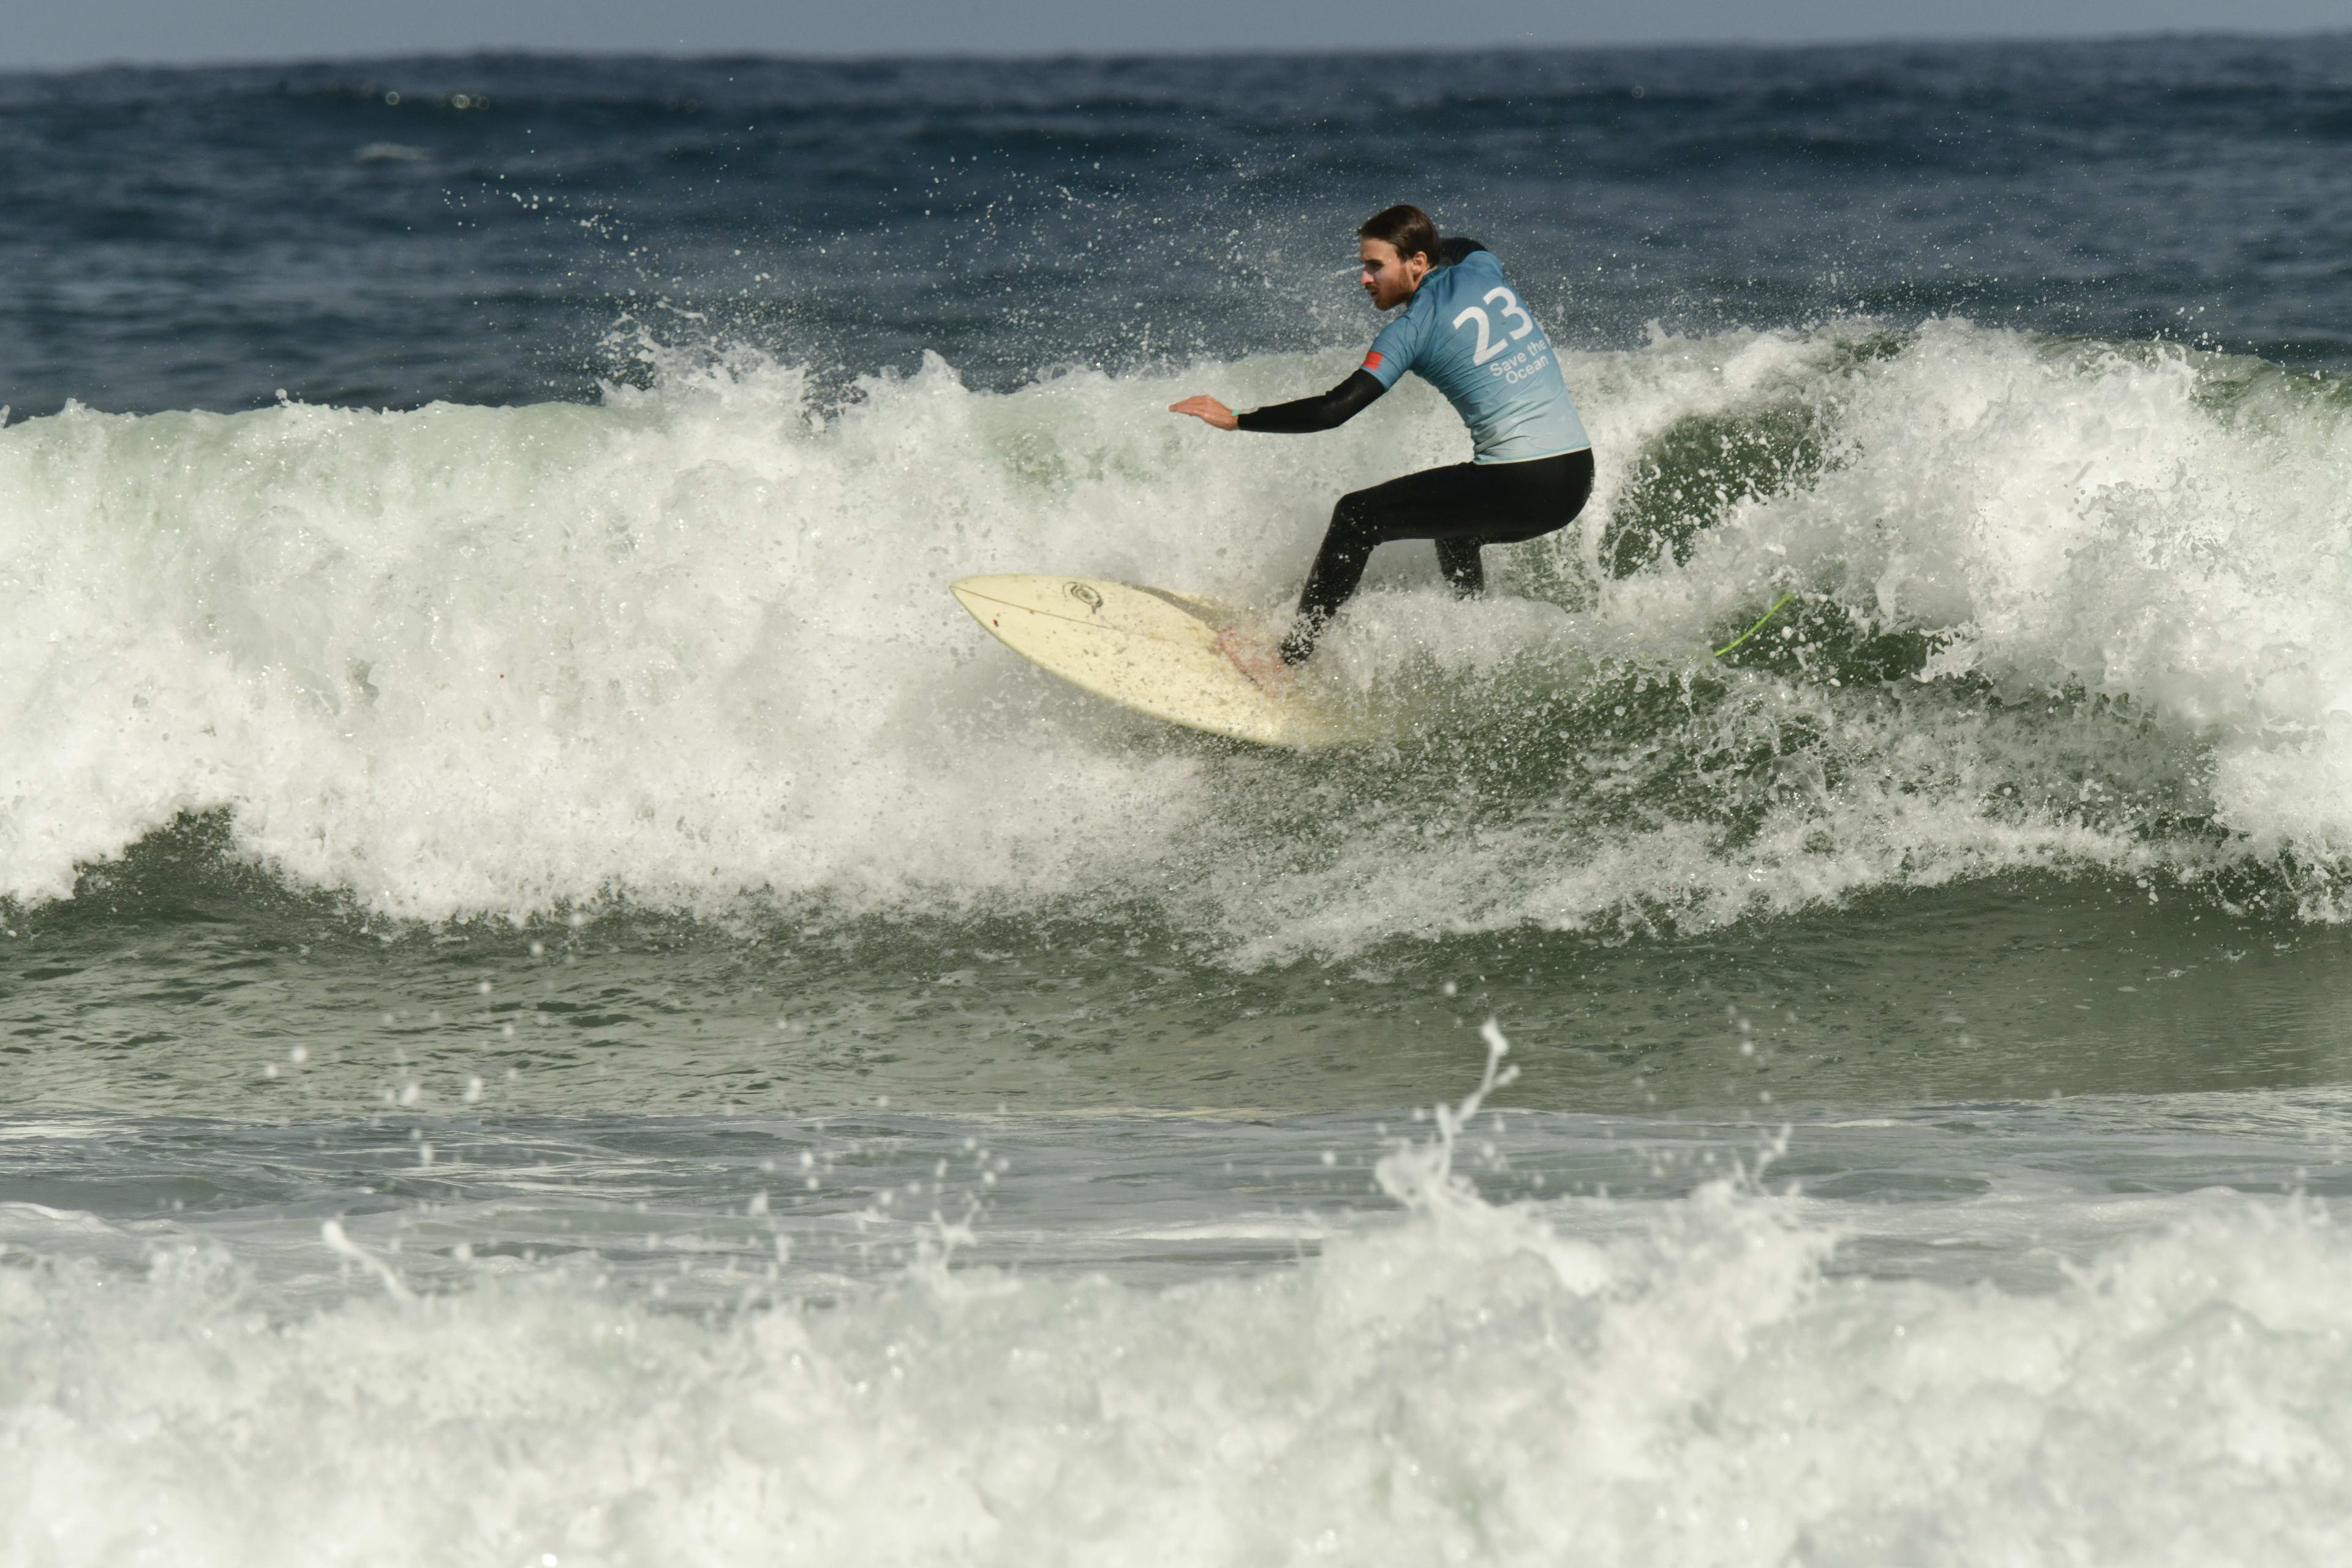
column 561, row 1004
column 393, row 232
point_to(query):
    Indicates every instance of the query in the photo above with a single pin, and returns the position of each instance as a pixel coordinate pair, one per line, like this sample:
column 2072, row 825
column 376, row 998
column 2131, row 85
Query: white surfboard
column 1149, row 650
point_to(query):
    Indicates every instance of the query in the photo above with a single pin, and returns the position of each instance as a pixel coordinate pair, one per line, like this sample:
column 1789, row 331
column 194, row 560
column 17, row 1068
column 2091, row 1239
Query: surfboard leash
column 1759, row 626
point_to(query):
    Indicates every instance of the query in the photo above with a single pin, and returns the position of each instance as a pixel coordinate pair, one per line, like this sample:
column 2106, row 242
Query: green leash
column 1759, row 626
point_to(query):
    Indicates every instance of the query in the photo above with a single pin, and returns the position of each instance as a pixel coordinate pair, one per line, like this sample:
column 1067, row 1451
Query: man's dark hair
column 1406, row 227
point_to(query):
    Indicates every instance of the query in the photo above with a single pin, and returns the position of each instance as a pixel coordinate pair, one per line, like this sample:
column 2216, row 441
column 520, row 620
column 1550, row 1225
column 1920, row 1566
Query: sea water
column 561, row 1004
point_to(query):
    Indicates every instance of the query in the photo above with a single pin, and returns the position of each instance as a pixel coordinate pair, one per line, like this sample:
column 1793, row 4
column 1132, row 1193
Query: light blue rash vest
column 1466, row 334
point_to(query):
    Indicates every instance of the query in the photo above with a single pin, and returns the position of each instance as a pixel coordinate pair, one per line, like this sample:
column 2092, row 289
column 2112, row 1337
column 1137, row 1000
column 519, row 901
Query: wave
column 2061, row 603
column 1606, row 1381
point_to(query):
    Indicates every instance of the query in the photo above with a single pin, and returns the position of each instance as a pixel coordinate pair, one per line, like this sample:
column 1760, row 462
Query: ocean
column 561, row 1003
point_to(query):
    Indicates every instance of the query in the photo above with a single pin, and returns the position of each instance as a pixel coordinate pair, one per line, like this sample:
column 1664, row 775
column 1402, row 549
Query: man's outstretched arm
column 1328, row 412
column 1333, row 408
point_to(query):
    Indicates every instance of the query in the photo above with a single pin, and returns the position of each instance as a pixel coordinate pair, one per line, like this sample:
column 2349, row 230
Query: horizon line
column 1052, row 57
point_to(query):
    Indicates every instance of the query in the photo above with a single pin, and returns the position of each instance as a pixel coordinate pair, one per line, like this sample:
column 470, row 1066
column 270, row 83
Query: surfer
column 1465, row 331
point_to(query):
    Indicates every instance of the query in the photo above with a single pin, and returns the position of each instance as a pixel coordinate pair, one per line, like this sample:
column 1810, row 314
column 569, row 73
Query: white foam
column 2139, row 523
column 1470, row 1384
column 692, row 646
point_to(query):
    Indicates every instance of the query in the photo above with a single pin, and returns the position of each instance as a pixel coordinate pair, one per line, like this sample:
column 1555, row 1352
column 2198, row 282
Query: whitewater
column 686, row 647
column 1686, row 1378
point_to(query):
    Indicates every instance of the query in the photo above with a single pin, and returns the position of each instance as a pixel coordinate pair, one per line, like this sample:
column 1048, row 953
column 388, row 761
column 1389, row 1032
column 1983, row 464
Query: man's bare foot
column 1259, row 659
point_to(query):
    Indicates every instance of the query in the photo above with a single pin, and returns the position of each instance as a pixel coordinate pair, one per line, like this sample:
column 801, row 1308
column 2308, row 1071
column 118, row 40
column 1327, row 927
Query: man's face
column 1389, row 278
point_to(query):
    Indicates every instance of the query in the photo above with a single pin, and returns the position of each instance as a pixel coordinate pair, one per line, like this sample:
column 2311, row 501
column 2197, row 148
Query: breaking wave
column 2060, row 605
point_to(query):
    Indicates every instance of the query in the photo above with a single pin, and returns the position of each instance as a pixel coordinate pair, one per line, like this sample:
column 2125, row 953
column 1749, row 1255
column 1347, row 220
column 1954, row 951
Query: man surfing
column 1464, row 331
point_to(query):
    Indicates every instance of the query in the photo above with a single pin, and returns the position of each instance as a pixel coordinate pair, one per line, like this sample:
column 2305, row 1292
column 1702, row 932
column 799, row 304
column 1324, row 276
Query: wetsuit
column 1466, row 333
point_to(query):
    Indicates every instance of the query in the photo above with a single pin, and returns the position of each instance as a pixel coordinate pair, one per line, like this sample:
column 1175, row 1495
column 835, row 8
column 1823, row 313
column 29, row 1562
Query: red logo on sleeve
column 1371, row 361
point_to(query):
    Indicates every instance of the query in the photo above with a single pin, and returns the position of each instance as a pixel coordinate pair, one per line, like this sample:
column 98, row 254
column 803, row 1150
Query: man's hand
column 1208, row 411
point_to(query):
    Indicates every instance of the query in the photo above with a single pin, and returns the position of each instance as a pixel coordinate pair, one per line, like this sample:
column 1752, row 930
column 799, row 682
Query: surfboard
column 1151, row 651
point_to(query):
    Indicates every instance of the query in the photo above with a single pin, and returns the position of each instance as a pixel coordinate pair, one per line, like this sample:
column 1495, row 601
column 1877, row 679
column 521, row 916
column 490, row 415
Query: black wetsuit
column 1462, row 507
